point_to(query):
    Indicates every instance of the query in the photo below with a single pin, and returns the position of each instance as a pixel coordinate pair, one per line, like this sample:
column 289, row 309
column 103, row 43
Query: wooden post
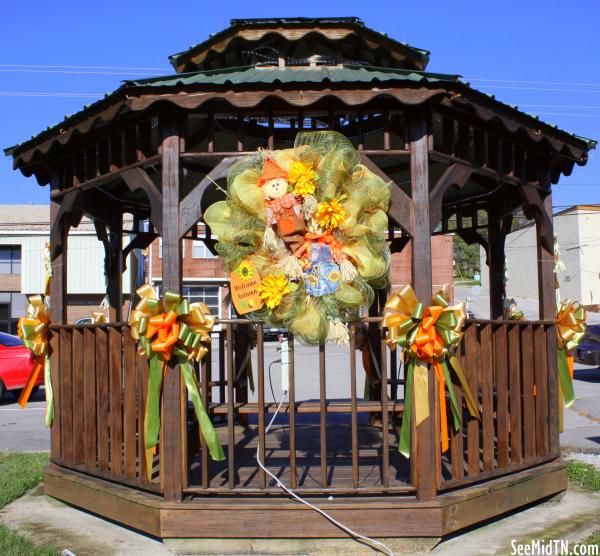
column 58, row 315
column 115, row 278
column 547, row 311
column 134, row 268
column 171, row 452
column 496, row 260
column 422, row 284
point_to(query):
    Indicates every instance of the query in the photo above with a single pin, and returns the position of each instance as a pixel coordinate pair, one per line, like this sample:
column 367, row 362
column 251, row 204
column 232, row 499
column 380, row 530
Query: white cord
column 374, row 544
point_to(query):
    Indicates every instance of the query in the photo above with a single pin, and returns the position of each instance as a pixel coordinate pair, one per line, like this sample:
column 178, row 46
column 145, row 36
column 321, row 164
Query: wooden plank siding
column 510, row 360
column 104, row 382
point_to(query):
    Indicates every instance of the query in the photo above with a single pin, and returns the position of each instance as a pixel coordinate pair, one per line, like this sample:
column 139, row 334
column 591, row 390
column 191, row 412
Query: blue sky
column 543, row 57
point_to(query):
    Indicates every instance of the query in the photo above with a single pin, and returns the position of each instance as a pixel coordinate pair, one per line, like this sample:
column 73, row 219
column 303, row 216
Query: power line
column 557, row 106
column 535, row 82
column 569, row 114
column 81, row 67
column 49, row 94
column 69, row 72
column 538, row 89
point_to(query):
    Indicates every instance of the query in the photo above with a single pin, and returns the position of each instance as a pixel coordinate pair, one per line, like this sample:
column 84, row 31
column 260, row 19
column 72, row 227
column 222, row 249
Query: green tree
column 466, row 258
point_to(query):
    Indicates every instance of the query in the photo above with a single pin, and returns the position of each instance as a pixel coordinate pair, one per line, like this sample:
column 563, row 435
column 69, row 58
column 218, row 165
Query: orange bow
column 428, row 344
column 324, row 238
column 163, row 331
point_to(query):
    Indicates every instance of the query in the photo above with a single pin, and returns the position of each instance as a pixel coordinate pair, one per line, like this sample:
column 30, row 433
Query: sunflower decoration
column 272, row 289
column 245, row 271
column 330, row 214
column 303, row 178
column 303, row 229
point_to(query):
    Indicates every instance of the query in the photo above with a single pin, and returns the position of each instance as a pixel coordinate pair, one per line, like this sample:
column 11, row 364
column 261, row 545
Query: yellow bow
column 427, row 336
column 166, row 327
column 99, row 318
column 33, row 330
column 570, row 324
column 570, row 328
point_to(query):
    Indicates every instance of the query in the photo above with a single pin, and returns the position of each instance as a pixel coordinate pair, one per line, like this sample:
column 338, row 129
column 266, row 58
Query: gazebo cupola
column 296, row 42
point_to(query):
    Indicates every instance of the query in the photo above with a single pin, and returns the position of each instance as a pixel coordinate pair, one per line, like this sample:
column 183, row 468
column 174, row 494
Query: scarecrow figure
column 283, row 209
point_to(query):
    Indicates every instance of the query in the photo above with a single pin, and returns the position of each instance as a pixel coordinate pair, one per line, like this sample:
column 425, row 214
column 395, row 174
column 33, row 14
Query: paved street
column 23, row 430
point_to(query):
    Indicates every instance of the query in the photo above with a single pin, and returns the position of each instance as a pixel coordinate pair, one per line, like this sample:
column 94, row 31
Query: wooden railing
column 336, row 441
column 100, row 385
column 507, row 365
column 331, row 443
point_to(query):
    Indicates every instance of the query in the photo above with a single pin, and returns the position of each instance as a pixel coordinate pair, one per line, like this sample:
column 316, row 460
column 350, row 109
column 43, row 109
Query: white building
column 578, row 231
column 24, row 231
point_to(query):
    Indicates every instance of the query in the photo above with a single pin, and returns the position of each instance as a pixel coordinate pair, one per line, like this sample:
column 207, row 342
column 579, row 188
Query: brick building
column 205, row 280
column 24, row 231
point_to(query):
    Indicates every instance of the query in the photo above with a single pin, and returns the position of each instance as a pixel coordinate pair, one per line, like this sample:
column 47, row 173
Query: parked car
column 16, row 363
column 85, row 320
column 273, row 333
column 588, row 351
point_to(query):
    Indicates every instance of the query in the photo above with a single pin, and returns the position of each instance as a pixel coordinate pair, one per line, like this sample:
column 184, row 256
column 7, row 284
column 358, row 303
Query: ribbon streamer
column 166, row 328
column 428, row 337
column 33, row 331
column 570, row 327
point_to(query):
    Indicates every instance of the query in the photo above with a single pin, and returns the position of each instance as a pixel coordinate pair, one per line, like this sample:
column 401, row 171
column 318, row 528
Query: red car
column 16, row 362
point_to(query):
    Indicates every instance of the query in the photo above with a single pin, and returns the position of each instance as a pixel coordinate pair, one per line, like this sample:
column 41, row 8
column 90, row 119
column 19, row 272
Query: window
column 200, row 251
column 12, row 306
column 206, row 294
column 10, row 259
column 160, row 248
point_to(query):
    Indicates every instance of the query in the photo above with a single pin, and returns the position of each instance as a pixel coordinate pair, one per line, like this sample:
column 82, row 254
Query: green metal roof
column 301, row 74
column 289, row 75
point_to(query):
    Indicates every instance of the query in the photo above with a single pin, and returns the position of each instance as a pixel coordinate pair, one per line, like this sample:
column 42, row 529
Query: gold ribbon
column 164, row 328
column 428, row 336
column 570, row 331
column 33, row 331
column 510, row 311
column 99, row 317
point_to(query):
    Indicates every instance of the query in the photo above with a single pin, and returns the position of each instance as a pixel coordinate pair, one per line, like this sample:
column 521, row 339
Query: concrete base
column 295, row 547
column 46, row 520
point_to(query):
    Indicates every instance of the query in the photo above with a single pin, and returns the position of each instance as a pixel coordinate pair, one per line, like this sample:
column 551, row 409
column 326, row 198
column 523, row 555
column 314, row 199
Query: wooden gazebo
column 459, row 162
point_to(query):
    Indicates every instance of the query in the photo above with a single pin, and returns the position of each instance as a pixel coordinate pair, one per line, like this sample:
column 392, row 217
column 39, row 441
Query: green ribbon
column 206, row 427
column 195, row 323
column 49, row 392
column 405, row 429
column 404, row 443
column 564, row 375
column 152, row 417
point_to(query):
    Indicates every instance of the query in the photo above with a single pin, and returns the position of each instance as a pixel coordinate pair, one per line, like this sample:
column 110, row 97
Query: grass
column 458, row 281
column 16, row 545
column 584, row 474
column 588, row 477
column 18, row 474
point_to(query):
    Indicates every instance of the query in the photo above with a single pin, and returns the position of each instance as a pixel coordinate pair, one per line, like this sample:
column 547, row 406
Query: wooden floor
column 254, row 517
column 309, row 471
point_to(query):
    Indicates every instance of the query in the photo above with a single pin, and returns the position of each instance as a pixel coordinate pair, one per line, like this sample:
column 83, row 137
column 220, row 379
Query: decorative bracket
column 138, row 178
column 400, row 211
column 455, row 174
column 470, row 236
column 533, row 207
column 69, row 215
column 190, row 208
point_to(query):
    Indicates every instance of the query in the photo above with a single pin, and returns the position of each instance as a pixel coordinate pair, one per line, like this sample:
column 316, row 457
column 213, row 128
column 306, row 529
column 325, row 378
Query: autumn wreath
column 302, row 232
